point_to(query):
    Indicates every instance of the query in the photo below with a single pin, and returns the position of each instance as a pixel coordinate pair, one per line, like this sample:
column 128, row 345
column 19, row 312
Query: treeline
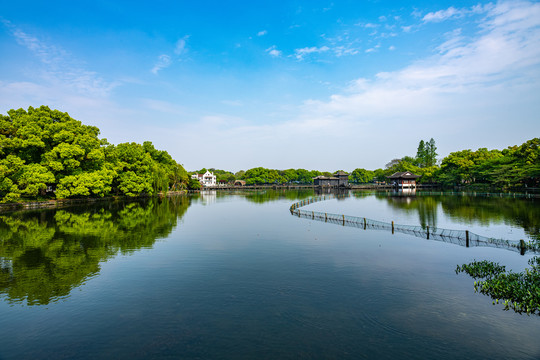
column 46, row 153
column 514, row 167
column 260, row 175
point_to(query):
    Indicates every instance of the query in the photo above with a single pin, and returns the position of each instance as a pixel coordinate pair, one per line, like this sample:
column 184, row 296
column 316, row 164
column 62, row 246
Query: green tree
column 97, row 183
column 421, row 154
column 431, row 153
column 194, row 184
column 361, row 176
column 178, row 178
column 34, row 179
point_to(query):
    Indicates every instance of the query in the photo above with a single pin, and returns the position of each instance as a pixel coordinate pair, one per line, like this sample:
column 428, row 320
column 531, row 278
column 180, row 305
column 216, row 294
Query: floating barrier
column 457, row 237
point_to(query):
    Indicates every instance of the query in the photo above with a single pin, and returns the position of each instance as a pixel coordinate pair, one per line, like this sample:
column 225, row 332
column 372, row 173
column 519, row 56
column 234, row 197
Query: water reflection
column 264, row 196
column 522, row 213
column 45, row 254
column 425, row 207
column 255, row 196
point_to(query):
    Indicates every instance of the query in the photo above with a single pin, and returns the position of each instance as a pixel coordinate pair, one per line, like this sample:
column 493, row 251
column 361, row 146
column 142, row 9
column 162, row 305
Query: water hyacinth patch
column 517, row 291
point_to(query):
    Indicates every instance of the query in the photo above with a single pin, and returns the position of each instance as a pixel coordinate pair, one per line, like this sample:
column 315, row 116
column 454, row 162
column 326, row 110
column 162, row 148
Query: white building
column 206, row 179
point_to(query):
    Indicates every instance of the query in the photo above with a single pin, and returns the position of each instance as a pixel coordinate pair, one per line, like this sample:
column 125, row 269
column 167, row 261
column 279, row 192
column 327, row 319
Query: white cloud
column 181, row 45
column 166, row 60
column 480, row 90
column 467, row 92
column 452, row 12
column 301, row 53
column 273, row 51
column 60, row 68
column 344, row 50
column 262, row 33
column 163, row 62
column 477, row 84
column 442, row 15
column 340, row 45
column 407, row 28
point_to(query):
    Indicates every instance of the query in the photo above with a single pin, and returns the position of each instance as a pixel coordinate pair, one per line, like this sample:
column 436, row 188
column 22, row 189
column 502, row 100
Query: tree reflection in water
column 46, row 254
column 523, row 213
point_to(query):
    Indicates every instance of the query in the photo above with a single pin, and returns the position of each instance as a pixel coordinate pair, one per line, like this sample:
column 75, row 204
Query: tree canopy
column 44, row 149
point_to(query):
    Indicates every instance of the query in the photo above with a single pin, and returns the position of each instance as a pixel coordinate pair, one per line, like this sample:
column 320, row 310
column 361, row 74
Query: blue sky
column 282, row 84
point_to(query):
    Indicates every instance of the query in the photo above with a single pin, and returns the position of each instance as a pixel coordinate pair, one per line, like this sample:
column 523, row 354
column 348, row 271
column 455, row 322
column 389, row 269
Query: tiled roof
column 403, row 175
column 325, row 178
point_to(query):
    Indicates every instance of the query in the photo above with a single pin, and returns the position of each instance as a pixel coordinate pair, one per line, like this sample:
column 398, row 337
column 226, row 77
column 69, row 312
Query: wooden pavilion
column 340, row 178
column 404, row 179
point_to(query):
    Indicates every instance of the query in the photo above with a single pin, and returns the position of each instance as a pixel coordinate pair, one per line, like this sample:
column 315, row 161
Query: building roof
column 404, row 175
column 341, row 173
column 320, row 177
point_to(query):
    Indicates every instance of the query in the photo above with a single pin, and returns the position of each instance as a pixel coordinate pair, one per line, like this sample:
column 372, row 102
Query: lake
column 229, row 275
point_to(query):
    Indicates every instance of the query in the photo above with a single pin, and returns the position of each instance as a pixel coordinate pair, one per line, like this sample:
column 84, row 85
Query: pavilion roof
column 404, row 175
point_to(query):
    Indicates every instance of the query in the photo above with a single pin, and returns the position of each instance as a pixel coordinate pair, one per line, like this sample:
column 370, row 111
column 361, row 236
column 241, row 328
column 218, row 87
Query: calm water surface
column 223, row 276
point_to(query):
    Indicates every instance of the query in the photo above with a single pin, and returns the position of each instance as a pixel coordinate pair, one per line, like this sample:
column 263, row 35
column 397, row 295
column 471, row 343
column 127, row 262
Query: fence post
column 343, row 220
column 313, row 215
column 522, row 246
column 364, row 223
column 392, row 227
column 467, row 238
column 427, row 231
column 325, row 217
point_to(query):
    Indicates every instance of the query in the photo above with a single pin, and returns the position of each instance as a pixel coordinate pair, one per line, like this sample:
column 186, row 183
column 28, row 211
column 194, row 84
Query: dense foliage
column 46, row 153
column 260, row 175
column 514, row 167
column 518, row 291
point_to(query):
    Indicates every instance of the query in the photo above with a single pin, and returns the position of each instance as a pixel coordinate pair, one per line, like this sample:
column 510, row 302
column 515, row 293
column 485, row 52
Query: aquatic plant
column 517, row 291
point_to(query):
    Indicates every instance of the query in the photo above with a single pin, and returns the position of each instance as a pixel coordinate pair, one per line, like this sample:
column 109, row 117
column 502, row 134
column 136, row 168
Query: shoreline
column 54, row 204
column 61, row 203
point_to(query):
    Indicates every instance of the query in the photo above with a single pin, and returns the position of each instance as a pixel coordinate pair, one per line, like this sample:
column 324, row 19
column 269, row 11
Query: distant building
column 206, row 179
column 340, row 178
column 404, row 179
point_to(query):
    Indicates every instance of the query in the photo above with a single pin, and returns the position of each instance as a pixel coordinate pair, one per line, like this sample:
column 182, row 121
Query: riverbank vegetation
column 517, row 291
column 517, row 166
column 45, row 153
column 514, row 167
